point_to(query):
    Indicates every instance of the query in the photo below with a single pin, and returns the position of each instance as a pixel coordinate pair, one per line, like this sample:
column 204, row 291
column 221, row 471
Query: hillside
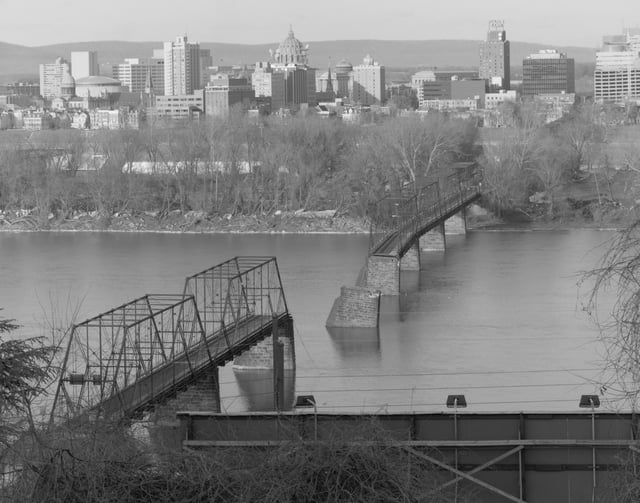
column 20, row 61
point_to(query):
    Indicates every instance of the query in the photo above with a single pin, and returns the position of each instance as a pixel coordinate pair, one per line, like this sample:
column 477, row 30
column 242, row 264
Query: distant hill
column 20, row 61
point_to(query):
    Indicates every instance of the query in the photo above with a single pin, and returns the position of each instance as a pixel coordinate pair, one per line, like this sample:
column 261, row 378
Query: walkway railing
column 126, row 359
column 397, row 219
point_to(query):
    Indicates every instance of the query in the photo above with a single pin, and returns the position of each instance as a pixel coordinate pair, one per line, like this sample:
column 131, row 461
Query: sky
column 554, row 22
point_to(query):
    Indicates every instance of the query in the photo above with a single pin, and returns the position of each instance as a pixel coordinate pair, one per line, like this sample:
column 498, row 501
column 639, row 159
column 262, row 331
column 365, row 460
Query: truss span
column 137, row 354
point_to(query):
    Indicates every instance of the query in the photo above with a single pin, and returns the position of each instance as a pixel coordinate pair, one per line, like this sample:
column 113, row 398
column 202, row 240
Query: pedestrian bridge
column 140, row 354
column 401, row 225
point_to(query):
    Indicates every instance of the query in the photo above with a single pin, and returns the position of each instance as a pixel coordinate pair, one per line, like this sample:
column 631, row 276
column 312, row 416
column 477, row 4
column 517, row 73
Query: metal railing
column 397, row 219
column 127, row 358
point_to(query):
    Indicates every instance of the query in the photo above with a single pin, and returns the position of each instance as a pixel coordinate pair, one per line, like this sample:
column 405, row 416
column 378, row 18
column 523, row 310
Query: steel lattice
column 134, row 355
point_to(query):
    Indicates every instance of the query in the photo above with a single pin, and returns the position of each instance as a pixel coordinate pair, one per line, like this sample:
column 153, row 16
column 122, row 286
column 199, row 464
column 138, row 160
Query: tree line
column 236, row 166
column 583, row 155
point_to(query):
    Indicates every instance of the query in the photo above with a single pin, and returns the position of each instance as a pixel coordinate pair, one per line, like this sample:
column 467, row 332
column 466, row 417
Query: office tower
column 132, row 74
column 368, row 82
column 136, row 75
column 181, row 67
column 223, row 92
column 51, row 75
column 617, row 74
column 206, row 61
column 84, row 64
column 268, row 84
column 548, row 72
column 494, row 57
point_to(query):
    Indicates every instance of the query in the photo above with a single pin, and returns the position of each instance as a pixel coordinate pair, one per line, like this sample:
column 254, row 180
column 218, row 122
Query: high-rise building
column 181, row 67
column 617, row 75
column 132, row 74
column 222, row 93
column 51, row 75
column 136, row 75
column 548, row 72
column 84, row 64
column 368, row 83
column 495, row 57
column 268, row 84
column 206, row 61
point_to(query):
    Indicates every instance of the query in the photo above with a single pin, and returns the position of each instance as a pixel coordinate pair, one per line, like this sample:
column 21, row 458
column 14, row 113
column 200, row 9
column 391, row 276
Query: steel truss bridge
column 129, row 358
column 398, row 219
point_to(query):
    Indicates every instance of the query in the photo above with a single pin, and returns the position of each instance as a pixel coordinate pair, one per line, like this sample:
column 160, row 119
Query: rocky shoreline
column 190, row 222
column 298, row 222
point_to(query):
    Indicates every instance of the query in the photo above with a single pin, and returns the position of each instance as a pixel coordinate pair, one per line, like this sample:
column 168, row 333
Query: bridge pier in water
column 456, row 224
column 402, row 225
column 434, row 240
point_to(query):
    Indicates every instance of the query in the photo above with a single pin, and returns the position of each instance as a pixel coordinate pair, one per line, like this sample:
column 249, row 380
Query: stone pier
column 457, row 224
column 410, row 261
column 383, row 274
column 434, row 240
column 357, row 306
column 202, row 395
column 260, row 356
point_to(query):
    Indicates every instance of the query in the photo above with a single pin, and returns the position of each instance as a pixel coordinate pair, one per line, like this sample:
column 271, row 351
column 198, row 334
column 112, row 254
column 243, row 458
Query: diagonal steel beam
column 464, row 475
column 485, row 465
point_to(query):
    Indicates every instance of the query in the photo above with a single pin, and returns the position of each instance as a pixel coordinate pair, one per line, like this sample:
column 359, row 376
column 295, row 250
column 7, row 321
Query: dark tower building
column 494, row 58
column 548, row 72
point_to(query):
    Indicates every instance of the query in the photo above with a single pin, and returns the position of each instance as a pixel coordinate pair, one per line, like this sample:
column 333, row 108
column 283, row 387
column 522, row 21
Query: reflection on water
column 256, row 388
column 355, row 344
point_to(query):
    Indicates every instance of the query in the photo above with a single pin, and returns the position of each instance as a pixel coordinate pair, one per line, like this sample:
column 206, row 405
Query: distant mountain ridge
column 17, row 60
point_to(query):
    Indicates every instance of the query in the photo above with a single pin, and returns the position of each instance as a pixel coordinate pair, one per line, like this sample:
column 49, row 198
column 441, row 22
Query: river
column 498, row 317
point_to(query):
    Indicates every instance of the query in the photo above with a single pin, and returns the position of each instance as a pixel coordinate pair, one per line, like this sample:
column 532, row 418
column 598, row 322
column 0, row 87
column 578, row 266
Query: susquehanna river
column 497, row 317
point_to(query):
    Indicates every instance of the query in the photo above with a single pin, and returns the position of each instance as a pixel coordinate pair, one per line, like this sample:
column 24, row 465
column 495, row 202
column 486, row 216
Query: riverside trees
column 226, row 166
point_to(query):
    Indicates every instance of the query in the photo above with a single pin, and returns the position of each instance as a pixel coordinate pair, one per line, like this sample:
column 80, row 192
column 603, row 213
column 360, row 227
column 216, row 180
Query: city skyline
column 228, row 22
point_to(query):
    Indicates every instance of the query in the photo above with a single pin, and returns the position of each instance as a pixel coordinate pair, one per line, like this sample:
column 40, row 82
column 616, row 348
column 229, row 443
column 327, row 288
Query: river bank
column 297, row 222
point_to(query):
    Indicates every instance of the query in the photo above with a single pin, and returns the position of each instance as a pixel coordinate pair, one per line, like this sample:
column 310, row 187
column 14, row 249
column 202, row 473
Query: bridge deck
column 220, row 347
column 397, row 242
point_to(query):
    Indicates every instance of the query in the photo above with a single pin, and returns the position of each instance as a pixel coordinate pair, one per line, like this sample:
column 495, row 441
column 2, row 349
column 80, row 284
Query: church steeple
column 329, row 79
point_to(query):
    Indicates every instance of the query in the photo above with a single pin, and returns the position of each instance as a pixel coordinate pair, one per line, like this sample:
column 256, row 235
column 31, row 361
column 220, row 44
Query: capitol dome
column 291, row 51
column 344, row 67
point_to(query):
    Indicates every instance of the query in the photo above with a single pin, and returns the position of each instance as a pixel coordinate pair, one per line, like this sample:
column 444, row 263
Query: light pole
column 453, row 402
column 592, row 402
column 306, row 401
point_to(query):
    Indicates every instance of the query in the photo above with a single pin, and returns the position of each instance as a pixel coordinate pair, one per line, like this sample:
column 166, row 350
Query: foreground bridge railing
column 397, row 219
column 134, row 355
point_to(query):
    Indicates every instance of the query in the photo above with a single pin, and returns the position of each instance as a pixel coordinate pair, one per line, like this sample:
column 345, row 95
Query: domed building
column 293, row 81
column 97, row 86
column 291, row 51
column 343, row 81
column 344, row 67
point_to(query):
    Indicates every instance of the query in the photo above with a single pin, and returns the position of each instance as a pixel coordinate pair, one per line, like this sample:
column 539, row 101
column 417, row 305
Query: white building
column 135, row 75
column 84, row 64
column 181, row 67
column 494, row 100
column 617, row 75
column 368, row 82
column 179, row 107
column 51, row 75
